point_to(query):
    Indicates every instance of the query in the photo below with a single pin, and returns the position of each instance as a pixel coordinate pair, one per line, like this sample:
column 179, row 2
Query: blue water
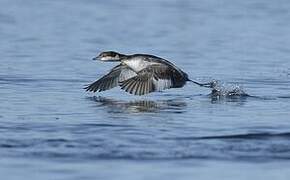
column 50, row 128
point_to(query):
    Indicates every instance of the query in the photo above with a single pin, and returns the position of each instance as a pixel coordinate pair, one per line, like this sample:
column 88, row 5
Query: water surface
column 50, row 128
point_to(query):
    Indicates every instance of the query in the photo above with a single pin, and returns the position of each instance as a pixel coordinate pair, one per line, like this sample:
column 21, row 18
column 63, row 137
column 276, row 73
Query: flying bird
column 140, row 74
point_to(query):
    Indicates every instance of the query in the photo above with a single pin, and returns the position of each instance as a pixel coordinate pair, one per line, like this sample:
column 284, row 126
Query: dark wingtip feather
column 90, row 88
column 86, row 87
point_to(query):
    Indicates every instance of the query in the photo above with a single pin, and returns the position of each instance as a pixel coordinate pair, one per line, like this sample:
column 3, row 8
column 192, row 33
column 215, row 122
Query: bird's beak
column 96, row 58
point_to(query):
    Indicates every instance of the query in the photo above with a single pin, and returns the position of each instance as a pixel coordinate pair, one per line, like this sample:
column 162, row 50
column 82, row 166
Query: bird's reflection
column 175, row 104
column 138, row 106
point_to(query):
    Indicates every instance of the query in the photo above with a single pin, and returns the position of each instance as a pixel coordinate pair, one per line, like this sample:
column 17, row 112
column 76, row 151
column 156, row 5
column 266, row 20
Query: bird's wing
column 126, row 73
column 139, row 85
column 153, row 78
column 163, row 76
column 118, row 73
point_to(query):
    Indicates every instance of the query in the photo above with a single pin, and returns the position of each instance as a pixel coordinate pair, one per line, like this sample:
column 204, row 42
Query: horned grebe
column 140, row 74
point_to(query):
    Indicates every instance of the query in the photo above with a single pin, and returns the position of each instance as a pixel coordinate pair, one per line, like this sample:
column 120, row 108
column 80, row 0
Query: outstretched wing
column 118, row 73
column 154, row 78
column 139, row 85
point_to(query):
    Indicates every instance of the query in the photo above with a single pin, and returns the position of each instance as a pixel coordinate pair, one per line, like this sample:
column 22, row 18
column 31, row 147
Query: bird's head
column 109, row 56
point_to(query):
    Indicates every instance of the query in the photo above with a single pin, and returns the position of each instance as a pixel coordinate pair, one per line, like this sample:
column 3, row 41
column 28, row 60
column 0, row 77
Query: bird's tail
column 208, row 85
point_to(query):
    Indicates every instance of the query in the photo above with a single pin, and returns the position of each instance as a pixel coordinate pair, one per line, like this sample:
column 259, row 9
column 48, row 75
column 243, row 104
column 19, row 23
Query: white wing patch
column 161, row 84
column 126, row 74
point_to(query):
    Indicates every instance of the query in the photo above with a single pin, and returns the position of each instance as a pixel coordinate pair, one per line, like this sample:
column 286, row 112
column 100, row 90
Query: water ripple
column 240, row 136
column 5, row 79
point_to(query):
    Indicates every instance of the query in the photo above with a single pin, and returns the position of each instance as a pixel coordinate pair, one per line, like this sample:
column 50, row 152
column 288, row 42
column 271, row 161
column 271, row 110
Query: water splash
column 224, row 90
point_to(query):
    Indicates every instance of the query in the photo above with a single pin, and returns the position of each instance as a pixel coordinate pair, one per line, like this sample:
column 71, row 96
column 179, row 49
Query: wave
column 246, row 136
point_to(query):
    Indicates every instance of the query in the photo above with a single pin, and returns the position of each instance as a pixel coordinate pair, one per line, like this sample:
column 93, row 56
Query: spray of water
column 224, row 90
